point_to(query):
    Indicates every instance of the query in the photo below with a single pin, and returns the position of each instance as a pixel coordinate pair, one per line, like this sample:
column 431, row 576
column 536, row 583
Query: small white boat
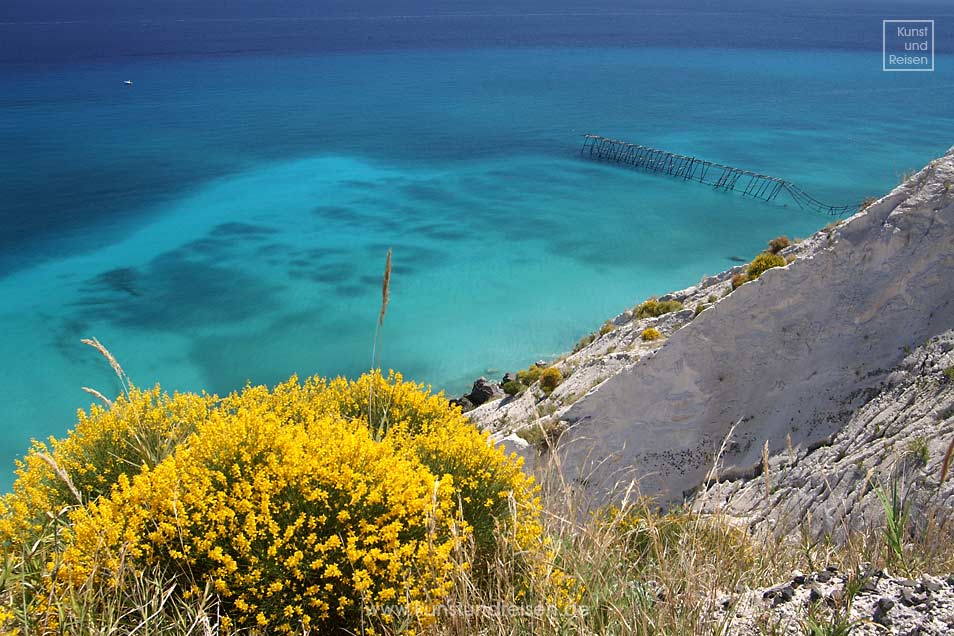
column 128, row 82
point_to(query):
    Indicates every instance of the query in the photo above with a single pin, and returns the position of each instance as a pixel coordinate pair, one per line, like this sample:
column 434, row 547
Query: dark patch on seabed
column 332, row 273
column 218, row 355
column 172, row 292
column 241, row 230
column 339, row 215
column 431, row 193
column 120, row 280
column 416, row 255
column 350, row 291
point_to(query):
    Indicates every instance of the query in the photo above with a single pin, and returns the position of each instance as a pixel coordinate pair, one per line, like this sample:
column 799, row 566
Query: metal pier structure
column 717, row 175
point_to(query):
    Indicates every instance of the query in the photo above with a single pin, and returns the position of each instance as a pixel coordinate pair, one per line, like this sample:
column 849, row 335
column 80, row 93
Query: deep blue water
column 225, row 218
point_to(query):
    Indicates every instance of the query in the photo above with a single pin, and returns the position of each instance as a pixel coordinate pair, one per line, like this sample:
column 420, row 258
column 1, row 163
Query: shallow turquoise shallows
column 226, row 220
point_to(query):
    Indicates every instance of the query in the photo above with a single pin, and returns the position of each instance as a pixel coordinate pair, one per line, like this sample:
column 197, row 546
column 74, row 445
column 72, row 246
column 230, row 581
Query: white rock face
column 790, row 355
column 900, row 436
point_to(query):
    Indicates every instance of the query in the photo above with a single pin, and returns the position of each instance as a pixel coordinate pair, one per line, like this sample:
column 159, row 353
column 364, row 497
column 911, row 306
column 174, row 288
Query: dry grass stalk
column 946, row 466
column 124, row 380
column 99, row 396
column 765, row 469
column 376, row 363
column 62, row 475
column 713, row 475
column 385, row 289
column 96, row 344
column 385, row 299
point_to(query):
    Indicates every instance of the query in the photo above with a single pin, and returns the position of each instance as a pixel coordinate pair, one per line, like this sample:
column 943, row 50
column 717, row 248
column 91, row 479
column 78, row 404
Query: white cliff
column 788, row 358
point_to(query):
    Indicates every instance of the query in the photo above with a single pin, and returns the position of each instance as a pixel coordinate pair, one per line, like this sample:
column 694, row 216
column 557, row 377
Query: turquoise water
column 225, row 220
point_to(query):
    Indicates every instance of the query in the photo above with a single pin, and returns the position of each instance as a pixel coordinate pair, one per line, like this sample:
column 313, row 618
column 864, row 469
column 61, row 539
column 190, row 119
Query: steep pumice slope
column 789, row 356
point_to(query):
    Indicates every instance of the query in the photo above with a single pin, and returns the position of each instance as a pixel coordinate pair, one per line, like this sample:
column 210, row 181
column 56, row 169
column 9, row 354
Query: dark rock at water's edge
column 464, row 404
column 481, row 392
column 484, row 390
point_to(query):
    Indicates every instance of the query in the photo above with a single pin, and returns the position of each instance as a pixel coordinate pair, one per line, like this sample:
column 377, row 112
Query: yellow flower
column 373, row 484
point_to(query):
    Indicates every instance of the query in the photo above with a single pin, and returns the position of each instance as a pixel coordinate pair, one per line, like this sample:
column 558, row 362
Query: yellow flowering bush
column 301, row 508
column 294, row 527
column 140, row 429
column 764, row 262
column 493, row 493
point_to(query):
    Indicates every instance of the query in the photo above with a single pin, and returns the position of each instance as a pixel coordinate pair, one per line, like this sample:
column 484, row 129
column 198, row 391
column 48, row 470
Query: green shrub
column 738, row 280
column 778, row 244
column 650, row 334
column 762, row 263
column 607, row 327
column 701, row 307
column 550, row 379
column 584, row 342
column 529, row 375
column 712, row 298
column 949, row 374
column 513, row 387
column 646, row 309
column 653, row 308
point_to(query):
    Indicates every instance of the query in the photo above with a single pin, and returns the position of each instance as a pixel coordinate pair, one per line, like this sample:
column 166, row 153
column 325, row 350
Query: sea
column 211, row 188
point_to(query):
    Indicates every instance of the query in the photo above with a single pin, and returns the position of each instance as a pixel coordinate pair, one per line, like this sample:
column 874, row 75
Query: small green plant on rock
column 650, row 334
column 949, row 374
column 607, row 327
column 918, row 450
column 834, row 618
column 738, row 280
column 897, row 506
column 762, row 263
column 529, row 375
column 584, row 342
column 512, row 387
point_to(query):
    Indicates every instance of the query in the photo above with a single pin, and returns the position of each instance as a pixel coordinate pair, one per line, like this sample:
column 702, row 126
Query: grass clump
column 654, row 308
column 738, row 280
column 650, row 334
column 544, row 434
column 762, row 263
column 607, row 327
column 948, row 374
column 550, row 379
column 919, row 451
column 778, row 244
column 896, row 503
